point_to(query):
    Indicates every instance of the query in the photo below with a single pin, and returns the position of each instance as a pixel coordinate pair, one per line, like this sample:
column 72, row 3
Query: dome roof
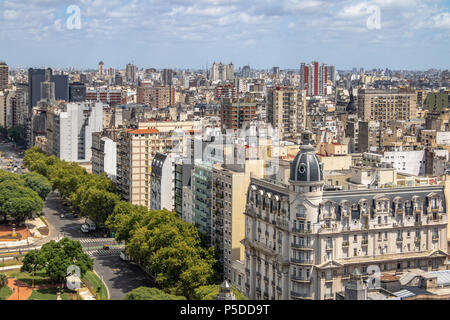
column 306, row 166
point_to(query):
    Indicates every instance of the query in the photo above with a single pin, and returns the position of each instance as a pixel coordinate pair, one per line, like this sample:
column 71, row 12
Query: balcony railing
column 399, row 239
column 295, row 294
column 298, row 230
column 302, row 261
column 299, row 278
column 345, row 243
column 365, row 242
column 302, row 245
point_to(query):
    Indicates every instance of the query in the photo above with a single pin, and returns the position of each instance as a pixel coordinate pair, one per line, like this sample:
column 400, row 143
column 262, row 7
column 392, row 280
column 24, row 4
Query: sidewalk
column 85, row 294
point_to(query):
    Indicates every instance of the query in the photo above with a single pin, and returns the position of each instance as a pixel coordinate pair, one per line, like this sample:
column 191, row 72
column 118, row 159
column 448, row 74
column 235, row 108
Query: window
column 355, row 238
column 355, row 252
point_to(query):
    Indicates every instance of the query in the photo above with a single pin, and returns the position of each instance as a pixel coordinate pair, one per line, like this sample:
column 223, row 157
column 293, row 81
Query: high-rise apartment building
column 162, row 182
column 313, row 78
column 136, row 149
column 3, row 76
column 222, row 72
column 156, row 97
column 101, row 69
column 302, row 242
column 226, row 91
column 235, row 112
column 106, row 95
column 286, row 111
column 229, row 198
column 167, row 77
column 70, row 127
column 104, row 155
column 77, row 92
column 131, row 73
column 386, row 105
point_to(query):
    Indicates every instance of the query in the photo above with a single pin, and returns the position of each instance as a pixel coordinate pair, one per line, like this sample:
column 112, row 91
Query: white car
column 85, row 228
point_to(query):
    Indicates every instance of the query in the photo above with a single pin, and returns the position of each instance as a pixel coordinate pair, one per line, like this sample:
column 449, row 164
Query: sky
column 395, row 34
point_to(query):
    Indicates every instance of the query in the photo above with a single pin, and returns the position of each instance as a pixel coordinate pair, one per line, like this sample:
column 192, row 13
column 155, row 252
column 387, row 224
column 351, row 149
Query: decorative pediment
column 330, row 265
column 438, row 253
column 433, row 195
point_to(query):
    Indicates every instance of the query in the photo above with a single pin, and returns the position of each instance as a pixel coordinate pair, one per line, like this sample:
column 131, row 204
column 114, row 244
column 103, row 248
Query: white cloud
column 10, row 14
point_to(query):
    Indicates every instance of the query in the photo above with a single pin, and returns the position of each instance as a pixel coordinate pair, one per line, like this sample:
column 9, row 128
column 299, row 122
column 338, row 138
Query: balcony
column 365, row 242
column 399, row 240
column 279, row 289
column 302, row 245
column 299, row 278
column 417, row 239
column 247, row 286
column 329, row 295
column 302, row 261
column 266, row 279
column 435, row 238
column 302, row 231
column 301, row 215
column 345, row 244
column 258, row 275
column 299, row 295
column 266, row 295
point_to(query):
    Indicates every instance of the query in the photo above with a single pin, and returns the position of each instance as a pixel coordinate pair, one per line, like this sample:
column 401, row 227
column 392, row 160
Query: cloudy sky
column 411, row 34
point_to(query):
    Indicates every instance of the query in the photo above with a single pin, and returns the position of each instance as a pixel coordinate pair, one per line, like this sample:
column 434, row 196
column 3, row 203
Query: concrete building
column 410, row 162
column 4, row 76
column 286, row 111
column 70, row 128
column 229, row 194
column 386, row 105
column 162, row 182
column 302, row 242
column 131, row 73
column 107, row 95
column 222, row 72
column 101, row 69
column 202, row 199
column 314, row 78
column 104, row 155
column 235, row 112
column 156, row 96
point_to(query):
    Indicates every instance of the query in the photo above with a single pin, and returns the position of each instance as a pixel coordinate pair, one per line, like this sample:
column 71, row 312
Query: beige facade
column 287, row 111
column 229, row 197
column 386, row 105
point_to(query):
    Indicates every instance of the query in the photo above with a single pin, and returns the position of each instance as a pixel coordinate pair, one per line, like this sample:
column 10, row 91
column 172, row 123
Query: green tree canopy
column 210, row 293
column 38, row 183
column 146, row 293
column 18, row 201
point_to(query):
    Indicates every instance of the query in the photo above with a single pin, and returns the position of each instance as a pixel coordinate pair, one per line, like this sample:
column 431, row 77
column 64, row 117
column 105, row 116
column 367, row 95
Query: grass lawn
column 50, row 294
column 93, row 283
column 5, row 292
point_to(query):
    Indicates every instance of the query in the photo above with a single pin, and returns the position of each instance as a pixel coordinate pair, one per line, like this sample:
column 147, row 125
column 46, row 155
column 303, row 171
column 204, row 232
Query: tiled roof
column 144, row 131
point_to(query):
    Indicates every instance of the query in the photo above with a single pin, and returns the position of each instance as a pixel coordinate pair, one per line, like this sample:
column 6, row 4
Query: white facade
column 162, row 182
column 110, row 158
column 76, row 126
column 187, row 205
column 443, row 138
column 410, row 162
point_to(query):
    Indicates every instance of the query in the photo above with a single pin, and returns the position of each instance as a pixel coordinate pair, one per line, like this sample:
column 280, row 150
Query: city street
column 120, row 277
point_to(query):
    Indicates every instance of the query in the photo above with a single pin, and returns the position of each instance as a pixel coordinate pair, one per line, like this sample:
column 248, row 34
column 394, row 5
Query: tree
column 146, row 293
column 125, row 219
column 3, row 280
column 58, row 256
column 98, row 205
column 32, row 263
column 210, row 293
column 170, row 249
column 38, row 183
column 18, row 201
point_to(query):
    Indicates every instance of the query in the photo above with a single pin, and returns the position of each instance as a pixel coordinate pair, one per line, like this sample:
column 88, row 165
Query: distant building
column 222, row 72
column 131, row 73
column 167, row 77
column 156, row 96
column 386, row 105
column 226, row 91
column 77, row 92
column 104, row 155
column 3, row 76
column 235, row 112
column 101, row 69
column 37, row 76
column 313, row 78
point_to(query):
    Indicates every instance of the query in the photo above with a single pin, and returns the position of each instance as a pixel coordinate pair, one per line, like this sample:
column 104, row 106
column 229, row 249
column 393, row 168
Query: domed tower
column 306, row 182
column 306, row 167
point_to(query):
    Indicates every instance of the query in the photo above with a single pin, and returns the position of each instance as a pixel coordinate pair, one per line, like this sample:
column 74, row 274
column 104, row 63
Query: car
column 62, row 215
column 85, row 228
column 105, row 247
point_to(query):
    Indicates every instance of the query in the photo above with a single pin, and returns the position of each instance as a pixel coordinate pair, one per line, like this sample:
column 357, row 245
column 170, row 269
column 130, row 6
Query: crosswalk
column 96, row 240
column 102, row 252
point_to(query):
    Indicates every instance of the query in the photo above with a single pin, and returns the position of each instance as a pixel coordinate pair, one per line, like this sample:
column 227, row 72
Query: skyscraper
column 3, row 76
column 313, row 78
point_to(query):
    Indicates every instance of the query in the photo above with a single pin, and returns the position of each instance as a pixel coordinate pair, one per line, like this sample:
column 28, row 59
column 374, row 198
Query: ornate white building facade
column 302, row 242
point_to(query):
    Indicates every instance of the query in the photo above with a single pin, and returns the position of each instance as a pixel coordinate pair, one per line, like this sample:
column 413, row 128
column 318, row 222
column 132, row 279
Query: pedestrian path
column 94, row 240
column 103, row 252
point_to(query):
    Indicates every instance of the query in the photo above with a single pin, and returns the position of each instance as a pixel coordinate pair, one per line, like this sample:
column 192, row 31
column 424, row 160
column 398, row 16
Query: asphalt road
column 120, row 277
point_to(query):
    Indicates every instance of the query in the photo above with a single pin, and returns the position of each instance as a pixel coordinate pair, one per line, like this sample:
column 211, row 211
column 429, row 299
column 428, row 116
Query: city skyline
column 193, row 35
